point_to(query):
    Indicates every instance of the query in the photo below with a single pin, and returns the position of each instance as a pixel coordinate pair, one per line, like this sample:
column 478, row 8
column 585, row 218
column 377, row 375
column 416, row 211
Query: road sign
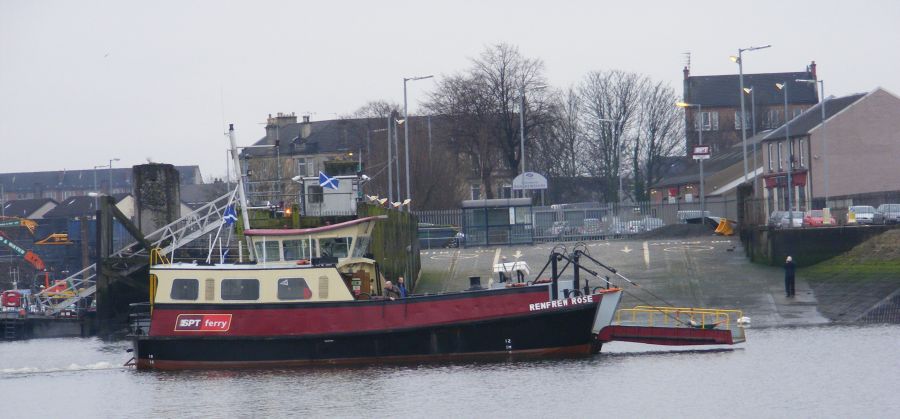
column 700, row 152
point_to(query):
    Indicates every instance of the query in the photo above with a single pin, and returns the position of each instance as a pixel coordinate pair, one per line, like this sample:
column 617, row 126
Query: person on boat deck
column 401, row 287
column 390, row 291
column 789, row 269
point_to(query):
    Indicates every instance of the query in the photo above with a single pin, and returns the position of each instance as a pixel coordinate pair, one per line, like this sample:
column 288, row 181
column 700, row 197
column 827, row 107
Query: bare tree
column 561, row 145
column 482, row 107
column 658, row 136
column 611, row 102
column 375, row 109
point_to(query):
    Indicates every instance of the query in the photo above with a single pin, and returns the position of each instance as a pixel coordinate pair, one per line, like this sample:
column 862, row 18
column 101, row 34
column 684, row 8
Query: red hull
column 672, row 336
column 305, row 319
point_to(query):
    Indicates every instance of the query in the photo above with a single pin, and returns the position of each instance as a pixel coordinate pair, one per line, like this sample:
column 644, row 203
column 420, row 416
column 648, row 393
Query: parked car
column 591, row 227
column 559, row 229
column 816, row 218
column 634, row 227
column 791, row 219
column 651, row 223
column 887, row 214
column 776, row 217
column 862, row 214
column 690, row 216
column 615, row 227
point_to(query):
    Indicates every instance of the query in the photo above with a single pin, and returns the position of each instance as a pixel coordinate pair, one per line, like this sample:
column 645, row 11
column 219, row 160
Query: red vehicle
column 816, row 218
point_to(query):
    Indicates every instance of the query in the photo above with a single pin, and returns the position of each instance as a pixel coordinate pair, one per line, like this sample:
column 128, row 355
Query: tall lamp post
column 824, row 142
column 790, row 163
column 109, row 187
column 700, row 142
column 96, row 191
column 406, row 131
column 749, row 91
column 740, row 62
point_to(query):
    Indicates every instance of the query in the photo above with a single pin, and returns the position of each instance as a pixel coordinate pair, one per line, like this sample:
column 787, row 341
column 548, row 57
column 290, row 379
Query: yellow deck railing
column 675, row 316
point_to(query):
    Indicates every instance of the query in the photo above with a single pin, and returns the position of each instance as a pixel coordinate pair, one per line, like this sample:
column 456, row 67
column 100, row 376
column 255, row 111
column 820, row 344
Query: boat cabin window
column 338, row 247
column 184, row 289
column 269, row 252
column 293, row 289
column 296, row 249
column 240, row 289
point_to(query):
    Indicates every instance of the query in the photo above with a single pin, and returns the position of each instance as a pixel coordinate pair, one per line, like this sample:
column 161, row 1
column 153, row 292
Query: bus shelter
column 497, row 221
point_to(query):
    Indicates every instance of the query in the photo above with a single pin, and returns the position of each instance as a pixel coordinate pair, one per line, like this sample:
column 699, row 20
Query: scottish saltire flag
column 230, row 215
column 327, row 182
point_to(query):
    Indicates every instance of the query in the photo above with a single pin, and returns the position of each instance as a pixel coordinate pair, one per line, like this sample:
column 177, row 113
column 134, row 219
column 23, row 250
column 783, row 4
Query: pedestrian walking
column 789, row 269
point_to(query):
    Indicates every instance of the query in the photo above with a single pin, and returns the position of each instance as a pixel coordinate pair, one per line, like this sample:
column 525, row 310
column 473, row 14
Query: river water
column 828, row 371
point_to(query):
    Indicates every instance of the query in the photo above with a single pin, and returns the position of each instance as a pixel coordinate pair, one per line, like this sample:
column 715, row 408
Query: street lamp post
column 824, row 142
column 406, row 131
column 740, row 61
column 700, row 142
column 790, row 163
column 753, row 125
column 109, row 187
column 96, row 192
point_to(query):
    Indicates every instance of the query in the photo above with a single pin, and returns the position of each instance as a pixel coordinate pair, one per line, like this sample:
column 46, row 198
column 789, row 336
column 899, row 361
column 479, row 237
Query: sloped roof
column 812, row 117
column 331, row 136
column 723, row 90
column 24, row 208
column 81, row 179
column 718, row 161
column 76, row 206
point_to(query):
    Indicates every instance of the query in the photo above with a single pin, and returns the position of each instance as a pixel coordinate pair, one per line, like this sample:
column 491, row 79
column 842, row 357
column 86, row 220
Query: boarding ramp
column 676, row 326
column 82, row 284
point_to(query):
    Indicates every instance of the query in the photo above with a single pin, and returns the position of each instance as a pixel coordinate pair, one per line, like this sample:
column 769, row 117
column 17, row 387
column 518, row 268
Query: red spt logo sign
column 203, row 323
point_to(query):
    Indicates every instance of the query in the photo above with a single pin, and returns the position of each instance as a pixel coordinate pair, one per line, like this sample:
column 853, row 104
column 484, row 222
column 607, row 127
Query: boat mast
column 245, row 216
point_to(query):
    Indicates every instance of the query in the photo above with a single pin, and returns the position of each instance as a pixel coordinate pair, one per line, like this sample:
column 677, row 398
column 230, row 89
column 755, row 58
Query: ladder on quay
column 12, row 328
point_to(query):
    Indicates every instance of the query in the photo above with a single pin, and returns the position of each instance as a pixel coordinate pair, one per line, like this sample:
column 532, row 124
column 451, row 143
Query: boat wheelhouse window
column 269, row 252
column 240, row 289
column 184, row 289
column 338, row 247
column 293, row 289
column 362, row 246
column 296, row 249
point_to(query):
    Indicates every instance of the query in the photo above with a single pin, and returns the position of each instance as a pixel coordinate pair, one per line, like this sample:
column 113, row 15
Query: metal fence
column 451, row 217
column 577, row 221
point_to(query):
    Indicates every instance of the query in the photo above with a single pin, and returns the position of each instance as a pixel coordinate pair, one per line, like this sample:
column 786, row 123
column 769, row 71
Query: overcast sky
column 82, row 82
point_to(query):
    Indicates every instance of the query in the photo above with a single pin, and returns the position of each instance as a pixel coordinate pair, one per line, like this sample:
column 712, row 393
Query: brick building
column 720, row 103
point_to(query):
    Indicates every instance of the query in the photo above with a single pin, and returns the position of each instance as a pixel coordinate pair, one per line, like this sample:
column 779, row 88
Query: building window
column 476, row 191
column 781, row 156
column 771, row 155
column 302, row 167
column 798, row 112
column 293, row 289
column 506, row 191
column 772, row 118
column 315, row 194
column 184, row 289
column 802, row 152
column 709, row 121
column 739, row 122
column 240, row 289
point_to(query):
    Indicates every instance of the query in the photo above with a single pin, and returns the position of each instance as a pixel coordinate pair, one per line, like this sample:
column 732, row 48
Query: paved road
column 695, row 272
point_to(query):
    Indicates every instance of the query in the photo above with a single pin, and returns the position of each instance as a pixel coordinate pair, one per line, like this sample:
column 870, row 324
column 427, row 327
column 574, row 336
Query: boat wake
column 12, row 372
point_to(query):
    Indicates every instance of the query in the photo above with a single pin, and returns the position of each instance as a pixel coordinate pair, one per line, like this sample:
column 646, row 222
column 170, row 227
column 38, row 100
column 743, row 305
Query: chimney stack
column 812, row 70
column 305, row 128
column 687, row 72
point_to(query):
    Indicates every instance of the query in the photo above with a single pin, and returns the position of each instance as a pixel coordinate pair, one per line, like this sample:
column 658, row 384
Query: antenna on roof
column 687, row 59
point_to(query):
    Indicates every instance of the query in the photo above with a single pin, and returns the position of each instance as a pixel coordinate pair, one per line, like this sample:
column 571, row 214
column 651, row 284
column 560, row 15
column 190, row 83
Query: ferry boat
column 326, row 310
